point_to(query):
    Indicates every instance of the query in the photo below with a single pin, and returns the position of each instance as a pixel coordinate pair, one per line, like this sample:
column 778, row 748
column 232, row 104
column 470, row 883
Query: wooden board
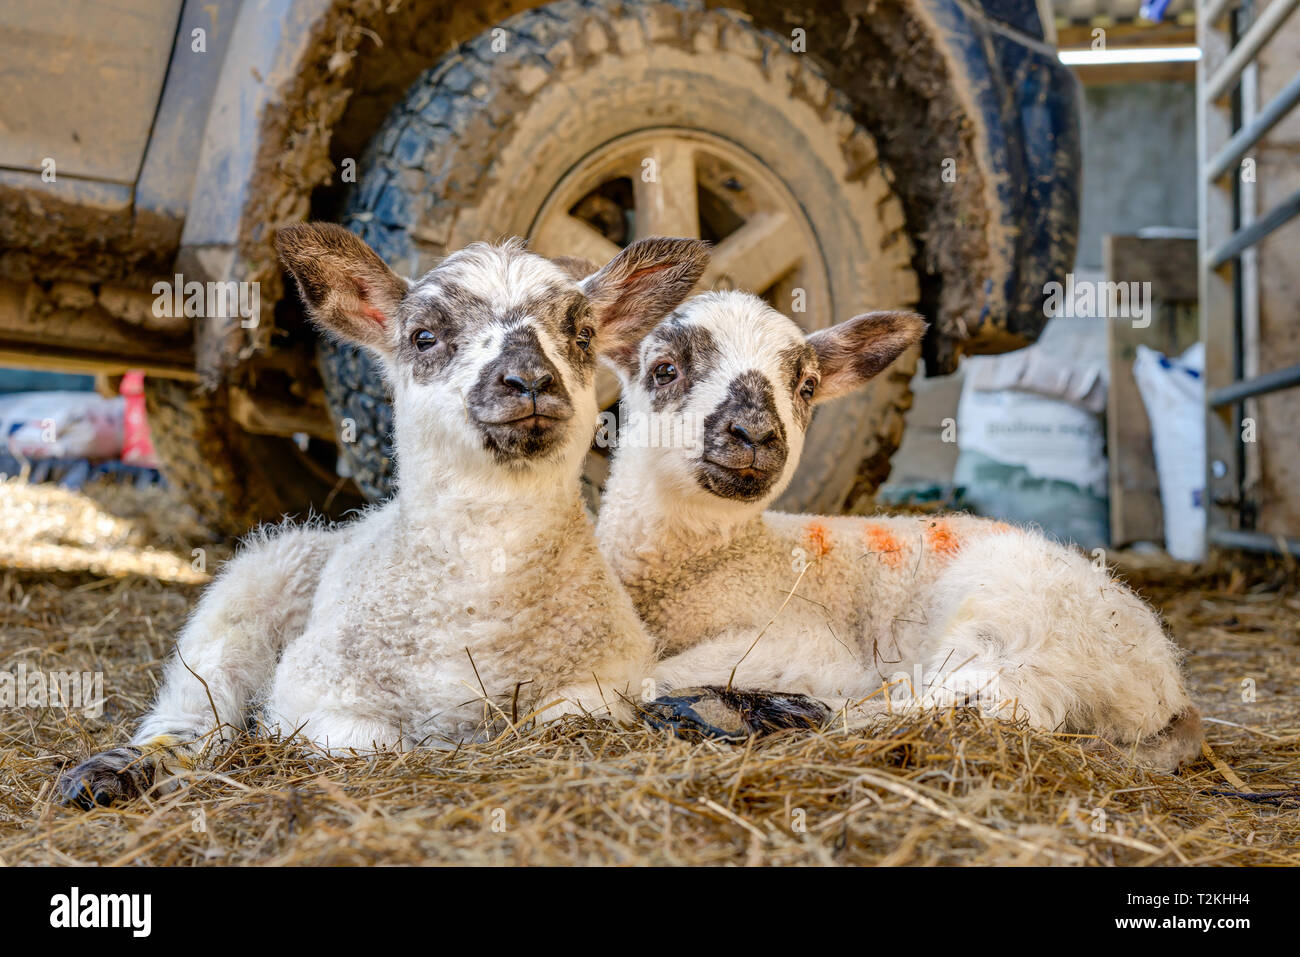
column 1170, row 266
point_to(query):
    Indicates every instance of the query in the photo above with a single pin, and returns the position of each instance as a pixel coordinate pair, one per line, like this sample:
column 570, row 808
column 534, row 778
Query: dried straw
column 951, row 788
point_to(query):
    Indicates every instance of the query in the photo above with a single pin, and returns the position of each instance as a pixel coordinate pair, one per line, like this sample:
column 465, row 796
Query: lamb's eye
column 585, row 335
column 424, row 339
column 664, row 373
column 808, row 388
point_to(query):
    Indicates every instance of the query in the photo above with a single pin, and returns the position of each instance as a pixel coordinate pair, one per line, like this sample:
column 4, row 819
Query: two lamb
column 396, row 630
column 480, row 581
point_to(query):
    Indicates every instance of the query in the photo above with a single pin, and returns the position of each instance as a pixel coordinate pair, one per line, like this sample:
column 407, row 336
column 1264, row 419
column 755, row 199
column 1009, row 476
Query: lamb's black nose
column 747, row 436
column 529, row 386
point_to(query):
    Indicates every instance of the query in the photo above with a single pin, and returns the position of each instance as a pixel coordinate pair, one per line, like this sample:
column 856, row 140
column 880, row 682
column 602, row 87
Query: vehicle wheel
column 586, row 125
column 232, row 478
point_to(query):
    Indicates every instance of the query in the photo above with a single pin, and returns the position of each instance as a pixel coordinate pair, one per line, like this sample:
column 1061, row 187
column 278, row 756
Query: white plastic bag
column 1173, row 391
column 55, row 425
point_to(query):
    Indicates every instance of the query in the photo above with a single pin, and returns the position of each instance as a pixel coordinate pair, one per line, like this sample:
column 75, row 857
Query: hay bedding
column 103, row 583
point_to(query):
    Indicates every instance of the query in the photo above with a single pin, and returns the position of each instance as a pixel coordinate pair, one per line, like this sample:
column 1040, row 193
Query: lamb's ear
column 852, row 352
column 637, row 288
column 347, row 288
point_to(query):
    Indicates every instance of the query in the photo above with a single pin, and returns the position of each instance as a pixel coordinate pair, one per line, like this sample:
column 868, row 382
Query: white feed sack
column 1173, row 391
column 1050, row 438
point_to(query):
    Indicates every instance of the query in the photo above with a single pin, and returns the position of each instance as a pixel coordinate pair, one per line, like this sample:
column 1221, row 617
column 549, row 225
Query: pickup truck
column 840, row 156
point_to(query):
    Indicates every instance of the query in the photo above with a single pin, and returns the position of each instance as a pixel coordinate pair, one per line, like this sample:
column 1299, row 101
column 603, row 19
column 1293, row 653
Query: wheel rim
column 679, row 182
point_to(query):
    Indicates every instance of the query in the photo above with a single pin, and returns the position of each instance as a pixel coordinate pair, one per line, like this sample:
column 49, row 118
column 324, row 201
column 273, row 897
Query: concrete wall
column 1139, row 161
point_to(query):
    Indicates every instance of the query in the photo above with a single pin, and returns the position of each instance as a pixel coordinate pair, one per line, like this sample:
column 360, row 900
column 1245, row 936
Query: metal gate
column 1230, row 123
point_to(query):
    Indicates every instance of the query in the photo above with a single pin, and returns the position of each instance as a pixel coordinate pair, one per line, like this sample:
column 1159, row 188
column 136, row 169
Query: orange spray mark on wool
column 941, row 539
column 882, row 541
column 818, row 537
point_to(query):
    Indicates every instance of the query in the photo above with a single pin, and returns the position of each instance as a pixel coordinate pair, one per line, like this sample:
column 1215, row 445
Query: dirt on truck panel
column 356, row 55
column 356, row 59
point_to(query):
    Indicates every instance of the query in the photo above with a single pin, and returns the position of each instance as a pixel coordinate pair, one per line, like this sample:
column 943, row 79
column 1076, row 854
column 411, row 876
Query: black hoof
column 724, row 715
column 106, row 778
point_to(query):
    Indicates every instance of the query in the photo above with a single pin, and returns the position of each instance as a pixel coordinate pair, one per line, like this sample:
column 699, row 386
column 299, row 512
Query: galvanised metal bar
column 1255, row 130
column 1277, row 217
column 1260, row 32
column 1216, row 214
column 1224, row 137
column 1274, row 381
column 1253, row 541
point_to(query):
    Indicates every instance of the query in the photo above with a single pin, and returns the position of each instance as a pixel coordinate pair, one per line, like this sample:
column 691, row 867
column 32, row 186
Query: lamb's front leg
column 733, row 714
column 225, row 654
column 709, row 691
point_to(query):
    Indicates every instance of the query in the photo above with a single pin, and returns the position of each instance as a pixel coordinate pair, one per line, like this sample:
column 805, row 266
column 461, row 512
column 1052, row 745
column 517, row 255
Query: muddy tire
column 559, row 98
column 233, row 479
column 363, row 415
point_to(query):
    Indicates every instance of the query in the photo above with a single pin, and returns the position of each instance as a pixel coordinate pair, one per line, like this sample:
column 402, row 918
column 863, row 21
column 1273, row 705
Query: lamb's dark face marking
column 798, row 365
column 672, row 359
column 512, row 334
column 494, row 350
column 745, row 444
column 747, row 396
column 733, row 382
column 429, row 337
column 520, row 403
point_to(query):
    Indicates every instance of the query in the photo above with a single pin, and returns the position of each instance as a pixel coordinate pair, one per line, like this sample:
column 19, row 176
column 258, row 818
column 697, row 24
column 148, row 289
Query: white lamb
column 943, row 609
column 479, row 587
